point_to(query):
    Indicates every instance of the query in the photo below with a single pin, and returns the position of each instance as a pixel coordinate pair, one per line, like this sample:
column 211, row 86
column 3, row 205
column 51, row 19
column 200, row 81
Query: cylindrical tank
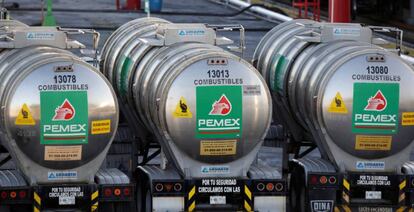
column 349, row 93
column 206, row 103
column 59, row 114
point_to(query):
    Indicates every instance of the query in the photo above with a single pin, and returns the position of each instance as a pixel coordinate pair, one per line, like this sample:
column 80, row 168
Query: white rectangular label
column 373, row 195
column 347, row 31
column 363, row 165
column 40, row 36
column 215, row 169
column 62, row 175
column 67, row 200
column 217, row 200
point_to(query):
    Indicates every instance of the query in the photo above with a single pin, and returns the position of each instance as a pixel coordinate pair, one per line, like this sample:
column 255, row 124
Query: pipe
column 260, row 10
column 408, row 59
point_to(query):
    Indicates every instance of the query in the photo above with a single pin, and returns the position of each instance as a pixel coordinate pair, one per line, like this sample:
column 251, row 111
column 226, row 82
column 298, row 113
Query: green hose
column 49, row 19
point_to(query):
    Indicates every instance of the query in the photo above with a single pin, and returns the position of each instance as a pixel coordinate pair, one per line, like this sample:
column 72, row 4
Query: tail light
column 260, row 186
column 332, row 180
column 117, row 192
column 159, row 187
column 107, row 192
column 13, row 194
column 323, row 180
column 314, row 180
column 279, row 186
column 270, row 186
column 178, row 187
column 168, row 187
column 127, row 191
column 22, row 194
column 4, row 194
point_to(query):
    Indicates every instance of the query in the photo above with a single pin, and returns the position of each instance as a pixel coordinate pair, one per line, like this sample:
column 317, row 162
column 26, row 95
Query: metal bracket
column 398, row 35
column 231, row 27
column 95, row 41
column 162, row 39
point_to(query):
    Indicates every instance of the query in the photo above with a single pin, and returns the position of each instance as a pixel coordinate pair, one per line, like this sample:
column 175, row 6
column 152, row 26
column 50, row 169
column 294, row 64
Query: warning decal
column 182, row 110
column 25, row 117
column 218, row 147
column 407, row 119
column 337, row 105
column 63, row 153
column 101, row 127
column 373, row 143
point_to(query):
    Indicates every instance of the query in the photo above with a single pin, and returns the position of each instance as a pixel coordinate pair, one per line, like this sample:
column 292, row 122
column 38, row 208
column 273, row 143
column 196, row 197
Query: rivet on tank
column 59, row 114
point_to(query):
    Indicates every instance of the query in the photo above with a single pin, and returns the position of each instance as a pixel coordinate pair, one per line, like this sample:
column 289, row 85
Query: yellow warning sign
column 25, row 117
column 182, row 110
column 337, row 105
column 373, row 143
column 101, row 127
column 407, row 119
column 218, row 147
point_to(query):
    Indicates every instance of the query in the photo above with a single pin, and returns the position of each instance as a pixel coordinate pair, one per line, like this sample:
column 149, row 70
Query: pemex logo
column 222, row 107
column 64, row 112
column 377, row 103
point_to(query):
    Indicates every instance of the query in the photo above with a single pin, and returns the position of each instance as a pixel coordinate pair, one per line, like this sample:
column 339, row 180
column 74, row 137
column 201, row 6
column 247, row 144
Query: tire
column 139, row 198
column 144, row 197
column 298, row 192
column 148, row 201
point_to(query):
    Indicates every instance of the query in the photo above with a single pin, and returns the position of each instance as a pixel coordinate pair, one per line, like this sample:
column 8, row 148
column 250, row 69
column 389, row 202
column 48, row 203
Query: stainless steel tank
column 352, row 95
column 208, row 107
column 58, row 113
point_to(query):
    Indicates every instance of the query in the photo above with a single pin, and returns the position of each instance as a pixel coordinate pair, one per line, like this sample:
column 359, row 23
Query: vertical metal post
column 340, row 11
column 147, row 8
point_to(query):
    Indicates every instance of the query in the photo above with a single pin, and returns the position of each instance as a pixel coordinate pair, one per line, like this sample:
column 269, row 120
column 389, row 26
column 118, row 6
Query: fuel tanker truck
column 206, row 108
column 332, row 85
column 58, row 118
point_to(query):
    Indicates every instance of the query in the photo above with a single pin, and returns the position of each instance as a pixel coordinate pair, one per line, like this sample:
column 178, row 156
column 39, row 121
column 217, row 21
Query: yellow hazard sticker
column 373, row 143
column 337, row 105
column 25, row 116
column 63, row 153
column 218, row 147
column 407, row 119
column 182, row 110
column 101, row 127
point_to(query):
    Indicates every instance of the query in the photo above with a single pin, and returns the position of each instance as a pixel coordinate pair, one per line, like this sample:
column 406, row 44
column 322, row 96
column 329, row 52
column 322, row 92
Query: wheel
column 298, row 196
column 144, row 197
column 139, row 198
column 148, row 201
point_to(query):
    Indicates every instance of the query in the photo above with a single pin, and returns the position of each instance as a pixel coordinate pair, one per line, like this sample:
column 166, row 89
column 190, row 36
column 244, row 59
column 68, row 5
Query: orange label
column 63, row 153
column 218, row 147
column 373, row 143
column 407, row 119
column 101, row 127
